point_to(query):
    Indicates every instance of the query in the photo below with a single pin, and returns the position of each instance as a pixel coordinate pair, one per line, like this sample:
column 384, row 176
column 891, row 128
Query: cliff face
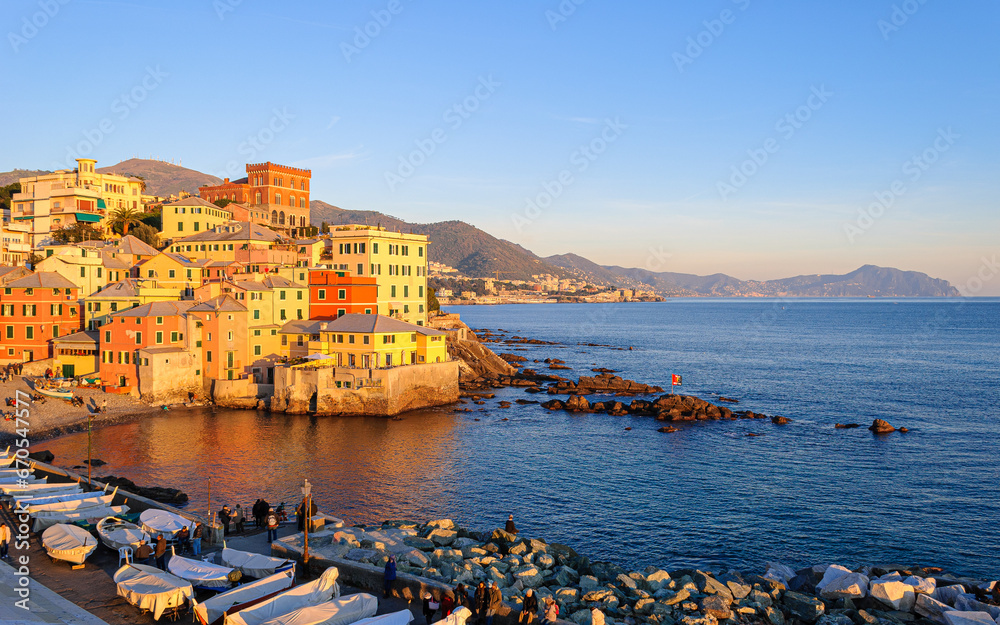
column 478, row 364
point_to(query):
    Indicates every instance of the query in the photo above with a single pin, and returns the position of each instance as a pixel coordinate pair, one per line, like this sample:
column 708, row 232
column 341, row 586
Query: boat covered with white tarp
column 12, row 477
column 457, row 617
column 49, row 518
column 213, row 611
column 71, row 543
column 149, row 588
column 116, row 533
column 314, row 593
column 203, row 574
column 343, row 611
column 30, row 500
column 38, row 488
column 253, row 564
column 156, row 521
column 403, row 617
column 94, row 501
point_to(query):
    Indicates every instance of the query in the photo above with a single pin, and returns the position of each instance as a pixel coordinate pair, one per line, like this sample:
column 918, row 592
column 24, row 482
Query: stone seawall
column 364, row 392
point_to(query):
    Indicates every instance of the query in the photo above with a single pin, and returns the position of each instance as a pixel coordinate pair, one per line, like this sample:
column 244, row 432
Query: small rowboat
column 116, row 533
column 94, row 500
column 68, row 542
column 313, row 593
column 149, row 588
column 156, row 521
column 213, row 611
column 38, row 488
column 32, row 500
column 51, row 392
column 13, row 478
column 46, row 519
column 253, row 564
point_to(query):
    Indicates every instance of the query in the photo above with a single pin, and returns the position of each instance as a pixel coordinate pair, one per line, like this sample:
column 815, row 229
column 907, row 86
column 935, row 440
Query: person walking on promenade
column 529, row 608
column 272, row 525
column 258, row 518
column 196, row 539
column 551, row 611
column 389, row 576
column 144, row 554
column 184, row 538
column 480, row 601
column 161, row 552
column 461, row 597
column 510, row 528
column 239, row 519
column 495, row 602
column 4, row 540
column 224, row 518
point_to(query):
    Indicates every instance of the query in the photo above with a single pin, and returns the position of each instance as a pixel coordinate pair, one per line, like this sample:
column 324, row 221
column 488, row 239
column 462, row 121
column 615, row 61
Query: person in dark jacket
column 389, row 576
column 480, row 602
column 272, row 523
column 447, row 604
column 257, row 518
column 529, row 608
column 461, row 598
column 184, row 538
column 196, row 539
column 224, row 518
column 495, row 602
column 430, row 607
column 161, row 552
column 144, row 554
column 510, row 528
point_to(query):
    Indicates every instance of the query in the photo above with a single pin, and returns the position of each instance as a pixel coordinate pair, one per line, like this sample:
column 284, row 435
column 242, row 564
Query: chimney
column 225, row 181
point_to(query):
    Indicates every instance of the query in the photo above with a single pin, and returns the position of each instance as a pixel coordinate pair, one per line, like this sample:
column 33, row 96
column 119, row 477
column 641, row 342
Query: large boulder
column 445, row 524
column 803, row 607
column 529, row 576
column 545, row 561
column 894, row 594
column 565, row 576
column 931, row 608
column 501, row 536
column 921, row 585
column 588, row 583
column 948, row 594
column 673, row 599
column 880, row 426
column 716, row 605
column 736, row 584
column 657, row 579
column 832, row 572
column 711, row 586
column 442, row 537
column 959, row 617
column 779, row 572
column 850, row 586
column 577, row 403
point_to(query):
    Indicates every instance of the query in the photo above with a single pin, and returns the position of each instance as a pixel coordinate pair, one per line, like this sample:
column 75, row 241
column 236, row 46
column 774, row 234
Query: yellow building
column 77, row 353
column 90, row 269
column 123, row 295
column 171, row 271
column 60, row 199
column 363, row 341
column 242, row 242
column 398, row 261
column 191, row 216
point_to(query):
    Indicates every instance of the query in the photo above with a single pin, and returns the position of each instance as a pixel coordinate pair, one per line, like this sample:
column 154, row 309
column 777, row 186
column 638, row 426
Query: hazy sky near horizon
column 756, row 139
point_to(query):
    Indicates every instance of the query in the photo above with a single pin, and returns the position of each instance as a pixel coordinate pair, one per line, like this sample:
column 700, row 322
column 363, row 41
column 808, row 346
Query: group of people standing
column 264, row 516
column 8, row 372
column 188, row 538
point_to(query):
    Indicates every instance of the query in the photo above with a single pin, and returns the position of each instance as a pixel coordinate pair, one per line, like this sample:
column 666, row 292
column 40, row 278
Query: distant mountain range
column 478, row 254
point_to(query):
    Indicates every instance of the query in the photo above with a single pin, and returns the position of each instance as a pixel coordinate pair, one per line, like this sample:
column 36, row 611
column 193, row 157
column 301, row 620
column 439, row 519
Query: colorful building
column 34, row 310
column 279, row 190
column 224, row 336
column 157, row 324
column 171, row 271
column 243, row 242
column 397, row 261
column 364, row 341
column 77, row 354
column 333, row 294
column 191, row 216
column 52, row 201
column 121, row 296
column 90, row 269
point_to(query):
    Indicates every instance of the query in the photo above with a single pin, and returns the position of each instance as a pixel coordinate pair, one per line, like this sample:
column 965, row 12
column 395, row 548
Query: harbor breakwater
column 436, row 556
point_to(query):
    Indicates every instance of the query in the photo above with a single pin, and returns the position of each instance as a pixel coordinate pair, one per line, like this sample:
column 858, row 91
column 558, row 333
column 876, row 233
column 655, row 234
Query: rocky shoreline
column 593, row 593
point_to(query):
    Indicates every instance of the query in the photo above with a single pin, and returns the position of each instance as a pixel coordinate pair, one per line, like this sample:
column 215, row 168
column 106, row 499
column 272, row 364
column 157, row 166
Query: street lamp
column 306, row 509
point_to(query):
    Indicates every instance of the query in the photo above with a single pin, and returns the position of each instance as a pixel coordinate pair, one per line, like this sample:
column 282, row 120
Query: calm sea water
column 706, row 496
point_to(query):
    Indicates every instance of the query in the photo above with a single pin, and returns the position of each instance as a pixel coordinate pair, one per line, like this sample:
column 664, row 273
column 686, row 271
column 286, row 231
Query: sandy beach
column 53, row 417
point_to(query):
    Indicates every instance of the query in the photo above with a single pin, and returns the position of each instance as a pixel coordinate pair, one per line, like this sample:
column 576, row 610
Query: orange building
column 276, row 190
column 157, row 324
column 224, row 337
column 333, row 294
column 34, row 310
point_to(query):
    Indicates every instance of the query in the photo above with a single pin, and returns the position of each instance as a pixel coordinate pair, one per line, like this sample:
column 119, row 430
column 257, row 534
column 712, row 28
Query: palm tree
column 125, row 217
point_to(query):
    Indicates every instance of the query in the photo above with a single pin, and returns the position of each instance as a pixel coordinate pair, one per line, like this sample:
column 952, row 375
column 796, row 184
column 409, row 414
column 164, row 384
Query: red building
column 34, row 310
column 157, row 324
column 276, row 190
column 333, row 294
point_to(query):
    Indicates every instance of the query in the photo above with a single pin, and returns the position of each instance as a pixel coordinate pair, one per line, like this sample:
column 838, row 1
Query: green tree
column 432, row 301
column 324, row 228
column 78, row 232
column 122, row 218
column 147, row 234
column 33, row 260
column 6, row 193
column 153, row 218
column 223, row 202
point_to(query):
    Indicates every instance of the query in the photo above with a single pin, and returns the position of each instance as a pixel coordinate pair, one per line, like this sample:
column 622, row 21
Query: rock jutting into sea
column 156, row 493
column 590, row 592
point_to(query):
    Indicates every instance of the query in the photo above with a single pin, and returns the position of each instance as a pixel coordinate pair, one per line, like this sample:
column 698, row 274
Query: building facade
column 191, row 216
column 34, row 310
column 277, row 190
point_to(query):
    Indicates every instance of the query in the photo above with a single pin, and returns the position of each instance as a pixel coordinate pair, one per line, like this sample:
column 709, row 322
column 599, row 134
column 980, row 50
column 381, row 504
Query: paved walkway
column 44, row 606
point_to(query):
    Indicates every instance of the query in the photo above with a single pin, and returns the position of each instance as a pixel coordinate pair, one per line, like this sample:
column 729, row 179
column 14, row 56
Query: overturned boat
column 68, row 542
column 156, row 521
column 47, row 519
column 202, row 574
column 149, row 588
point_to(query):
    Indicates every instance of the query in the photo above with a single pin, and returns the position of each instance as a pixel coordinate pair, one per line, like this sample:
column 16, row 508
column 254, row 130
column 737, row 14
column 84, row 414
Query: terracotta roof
column 157, row 309
column 304, row 326
column 113, row 263
column 276, row 282
column 42, row 279
column 220, row 303
column 122, row 288
column 131, row 245
column 90, row 338
column 193, row 201
column 234, row 231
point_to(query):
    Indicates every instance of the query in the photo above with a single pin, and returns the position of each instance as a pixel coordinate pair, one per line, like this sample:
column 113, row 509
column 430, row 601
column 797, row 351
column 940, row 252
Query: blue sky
column 756, row 139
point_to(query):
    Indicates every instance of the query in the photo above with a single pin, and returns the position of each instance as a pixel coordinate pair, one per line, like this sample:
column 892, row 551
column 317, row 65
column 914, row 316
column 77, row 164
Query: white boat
column 213, row 611
column 13, row 478
column 457, row 617
column 44, row 498
column 116, row 533
column 68, row 542
column 314, row 593
column 404, row 617
column 95, row 500
column 156, row 521
column 253, row 564
column 203, row 574
column 48, row 519
column 149, row 588
column 37, row 489
column 343, row 611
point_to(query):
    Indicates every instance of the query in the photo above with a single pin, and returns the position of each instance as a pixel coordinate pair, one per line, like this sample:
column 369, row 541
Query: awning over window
column 88, row 217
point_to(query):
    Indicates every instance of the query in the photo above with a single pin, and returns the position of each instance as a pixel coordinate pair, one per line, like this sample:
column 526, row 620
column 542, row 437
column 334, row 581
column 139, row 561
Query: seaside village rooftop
column 236, row 286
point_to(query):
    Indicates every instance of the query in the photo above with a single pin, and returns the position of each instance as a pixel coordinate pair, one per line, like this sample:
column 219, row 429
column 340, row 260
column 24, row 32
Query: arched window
column 302, row 202
column 281, row 218
column 274, row 217
column 257, row 198
column 302, row 222
column 277, row 199
column 291, row 201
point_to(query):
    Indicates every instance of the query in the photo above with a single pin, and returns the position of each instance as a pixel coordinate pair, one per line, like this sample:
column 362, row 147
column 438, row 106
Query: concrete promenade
column 44, row 606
